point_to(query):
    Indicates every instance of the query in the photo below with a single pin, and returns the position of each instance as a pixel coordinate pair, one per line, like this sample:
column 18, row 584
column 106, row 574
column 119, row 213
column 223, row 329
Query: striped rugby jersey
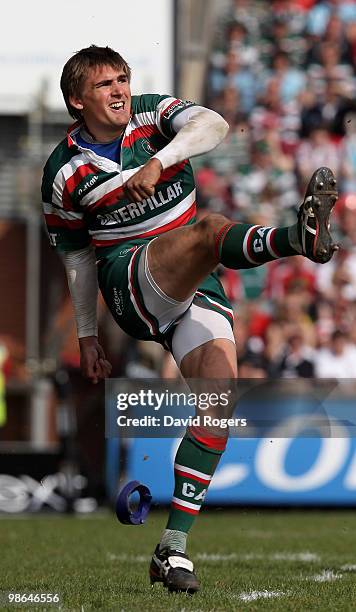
column 83, row 199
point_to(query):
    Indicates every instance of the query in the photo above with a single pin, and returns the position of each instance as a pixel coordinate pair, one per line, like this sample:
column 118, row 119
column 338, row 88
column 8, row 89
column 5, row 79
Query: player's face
column 105, row 102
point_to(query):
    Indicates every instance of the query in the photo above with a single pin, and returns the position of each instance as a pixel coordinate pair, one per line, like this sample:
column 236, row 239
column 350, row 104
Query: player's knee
column 209, row 227
column 214, row 433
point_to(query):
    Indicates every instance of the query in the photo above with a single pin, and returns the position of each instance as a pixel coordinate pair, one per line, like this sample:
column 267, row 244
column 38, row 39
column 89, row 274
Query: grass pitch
column 268, row 560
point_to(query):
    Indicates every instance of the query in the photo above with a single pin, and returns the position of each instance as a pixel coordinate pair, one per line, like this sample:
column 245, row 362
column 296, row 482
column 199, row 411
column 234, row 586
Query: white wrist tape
column 199, row 130
column 83, row 286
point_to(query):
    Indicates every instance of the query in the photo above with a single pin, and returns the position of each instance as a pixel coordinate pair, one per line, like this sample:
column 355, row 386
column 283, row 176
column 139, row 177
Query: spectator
column 252, row 365
column 320, row 14
column 338, row 360
column 298, row 359
column 287, row 274
column 212, row 193
column 238, row 43
column 272, row 113
column 291, row 79
column 317, row 150
column 268, row 184
column 337, row 279
column 233, row 154
column 329, row 66
column 236, row 75
column 329, row 109
column 348, row 156
column 250, row 13
column 285, row 33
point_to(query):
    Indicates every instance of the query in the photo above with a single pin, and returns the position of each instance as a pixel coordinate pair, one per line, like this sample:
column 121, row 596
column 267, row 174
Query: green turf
column 95, row 563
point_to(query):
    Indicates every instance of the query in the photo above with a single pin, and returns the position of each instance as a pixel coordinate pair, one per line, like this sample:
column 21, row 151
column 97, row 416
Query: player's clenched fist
column 93, row 363
column 142, row 184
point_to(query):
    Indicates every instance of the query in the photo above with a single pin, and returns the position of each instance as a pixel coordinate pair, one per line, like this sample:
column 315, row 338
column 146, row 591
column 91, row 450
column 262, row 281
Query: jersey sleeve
column 167, row 109
column 66, row 226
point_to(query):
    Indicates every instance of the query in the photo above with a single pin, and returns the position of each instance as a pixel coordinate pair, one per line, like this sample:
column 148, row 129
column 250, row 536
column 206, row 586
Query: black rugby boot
column 314, row 217
column 175, row 570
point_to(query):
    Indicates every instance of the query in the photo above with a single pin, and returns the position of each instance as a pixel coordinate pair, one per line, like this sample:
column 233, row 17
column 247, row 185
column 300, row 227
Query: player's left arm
column 82, row 278
column 197, row 130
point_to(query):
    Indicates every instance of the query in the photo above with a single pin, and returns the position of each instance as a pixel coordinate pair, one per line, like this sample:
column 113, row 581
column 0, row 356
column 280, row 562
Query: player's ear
column 76, row 102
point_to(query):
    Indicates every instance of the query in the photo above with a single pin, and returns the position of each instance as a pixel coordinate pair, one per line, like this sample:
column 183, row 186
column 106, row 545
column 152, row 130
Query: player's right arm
column 69, row 236
column 191, row 131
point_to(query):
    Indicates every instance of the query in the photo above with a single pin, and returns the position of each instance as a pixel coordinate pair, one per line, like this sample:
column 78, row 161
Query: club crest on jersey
column 147, row 147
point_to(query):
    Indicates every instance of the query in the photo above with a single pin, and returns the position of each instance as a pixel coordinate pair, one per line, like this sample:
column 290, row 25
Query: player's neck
column 90, row 138
column 101, row 136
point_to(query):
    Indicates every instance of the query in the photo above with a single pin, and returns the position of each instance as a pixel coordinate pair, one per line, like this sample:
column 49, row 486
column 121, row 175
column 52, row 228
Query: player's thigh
column 164, row 308
column 135, row 300
column 180, row 259
column 119, row 285
column 203, row 345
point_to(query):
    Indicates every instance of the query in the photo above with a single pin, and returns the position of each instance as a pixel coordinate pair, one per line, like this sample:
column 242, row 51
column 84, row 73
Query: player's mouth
column 117, row 107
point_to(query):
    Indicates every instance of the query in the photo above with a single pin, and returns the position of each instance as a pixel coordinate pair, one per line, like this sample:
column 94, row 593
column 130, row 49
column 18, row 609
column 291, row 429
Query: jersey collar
column 74, row 128
column 72, row 131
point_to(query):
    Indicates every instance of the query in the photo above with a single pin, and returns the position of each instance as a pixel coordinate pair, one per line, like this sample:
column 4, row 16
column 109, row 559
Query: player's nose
column 117, row 89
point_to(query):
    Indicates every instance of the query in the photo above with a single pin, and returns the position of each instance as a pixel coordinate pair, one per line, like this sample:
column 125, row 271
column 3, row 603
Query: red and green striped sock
column 240, row 245
column 195, row 464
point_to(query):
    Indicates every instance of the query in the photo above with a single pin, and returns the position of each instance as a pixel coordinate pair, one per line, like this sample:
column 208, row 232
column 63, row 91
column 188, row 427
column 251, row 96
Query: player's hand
column 93, row 363
column 142, row 184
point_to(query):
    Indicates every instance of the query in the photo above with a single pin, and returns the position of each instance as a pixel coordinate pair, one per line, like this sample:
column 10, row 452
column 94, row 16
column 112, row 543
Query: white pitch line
column 302, row 556
column 348, row 568
column 326, row 576
column 283, row 556
column 305, row 556
column 253, row 595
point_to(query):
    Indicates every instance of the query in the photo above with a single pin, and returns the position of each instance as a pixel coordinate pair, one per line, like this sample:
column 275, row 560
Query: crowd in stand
column 283, row 74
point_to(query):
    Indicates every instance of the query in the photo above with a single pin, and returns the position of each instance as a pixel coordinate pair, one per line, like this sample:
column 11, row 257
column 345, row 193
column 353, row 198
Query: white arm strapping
column 199, row 130
column 83, row 286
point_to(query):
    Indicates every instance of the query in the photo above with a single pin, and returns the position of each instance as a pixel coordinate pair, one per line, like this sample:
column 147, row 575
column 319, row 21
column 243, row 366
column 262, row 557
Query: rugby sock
column 195, row 464
column 240, row 245
column 174, row 539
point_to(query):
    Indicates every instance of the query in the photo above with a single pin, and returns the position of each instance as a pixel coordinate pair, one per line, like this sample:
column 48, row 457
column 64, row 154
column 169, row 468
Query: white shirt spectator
column 339, row 361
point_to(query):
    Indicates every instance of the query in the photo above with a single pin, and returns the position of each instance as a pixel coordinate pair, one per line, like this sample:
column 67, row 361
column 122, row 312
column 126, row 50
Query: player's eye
column 104, row 84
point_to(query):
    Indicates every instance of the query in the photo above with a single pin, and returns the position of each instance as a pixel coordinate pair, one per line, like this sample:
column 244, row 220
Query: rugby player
column 119, row 203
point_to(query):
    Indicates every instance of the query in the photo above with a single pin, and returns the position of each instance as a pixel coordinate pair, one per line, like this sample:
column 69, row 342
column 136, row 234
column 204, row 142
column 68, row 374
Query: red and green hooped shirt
column 82, row 194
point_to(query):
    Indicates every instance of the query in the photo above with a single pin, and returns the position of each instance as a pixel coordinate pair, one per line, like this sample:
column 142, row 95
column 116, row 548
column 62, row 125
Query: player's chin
column 120, row 120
